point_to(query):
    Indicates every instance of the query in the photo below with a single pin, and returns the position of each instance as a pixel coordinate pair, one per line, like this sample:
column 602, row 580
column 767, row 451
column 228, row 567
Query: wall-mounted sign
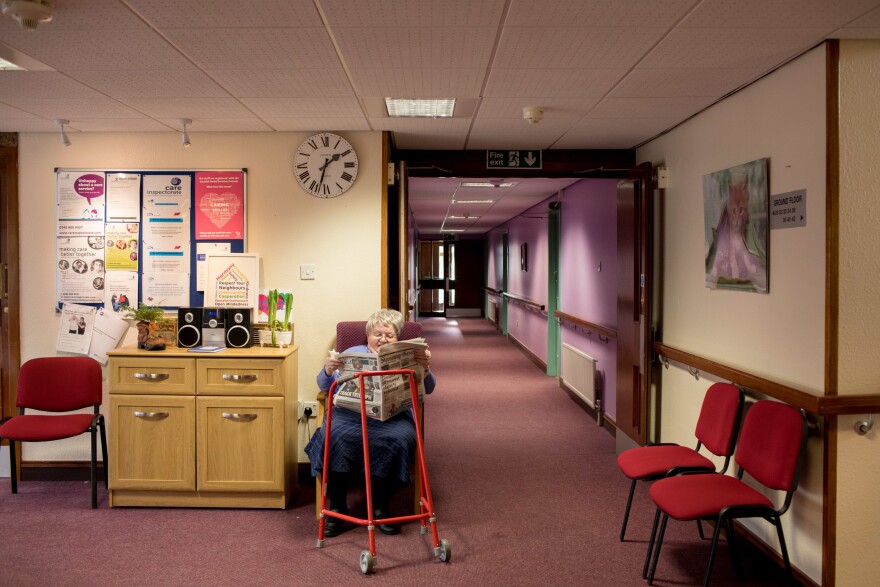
column 788, row 210
column 513, row 159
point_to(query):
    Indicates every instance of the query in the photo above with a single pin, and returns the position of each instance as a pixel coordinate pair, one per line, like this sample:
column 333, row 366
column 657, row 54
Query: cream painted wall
column 859, row 315
column 287, row 227
column 779, row 335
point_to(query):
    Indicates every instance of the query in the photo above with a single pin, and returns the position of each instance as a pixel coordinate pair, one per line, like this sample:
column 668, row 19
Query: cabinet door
column 159, row 375
column 240, row 377
column 240, row 443
column 152, row 442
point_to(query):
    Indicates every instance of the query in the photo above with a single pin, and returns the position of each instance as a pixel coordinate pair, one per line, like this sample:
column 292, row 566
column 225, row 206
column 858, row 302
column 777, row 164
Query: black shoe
column 333, row 526
column 388, row 529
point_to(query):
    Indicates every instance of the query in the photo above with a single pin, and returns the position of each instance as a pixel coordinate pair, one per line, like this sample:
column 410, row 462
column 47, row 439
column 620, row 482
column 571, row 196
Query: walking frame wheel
column 367, row 561
column 444, row 551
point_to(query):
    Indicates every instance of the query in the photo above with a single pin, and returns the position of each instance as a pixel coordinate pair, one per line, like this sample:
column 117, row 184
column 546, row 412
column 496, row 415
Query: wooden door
column 634, row 283
column 10, row 356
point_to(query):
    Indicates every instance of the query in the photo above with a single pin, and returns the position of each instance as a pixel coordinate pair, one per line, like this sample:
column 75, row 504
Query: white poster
column 79, row 275
column 123, row 197
column 107, row 331
column 167, row 196
column 80, row 195
column 120, row 291
column 202, row 251
column 166, row 289
column 75, row 328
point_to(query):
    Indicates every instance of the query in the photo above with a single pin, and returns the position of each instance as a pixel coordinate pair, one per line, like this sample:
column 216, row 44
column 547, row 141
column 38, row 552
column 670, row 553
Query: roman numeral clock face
column 325, row 165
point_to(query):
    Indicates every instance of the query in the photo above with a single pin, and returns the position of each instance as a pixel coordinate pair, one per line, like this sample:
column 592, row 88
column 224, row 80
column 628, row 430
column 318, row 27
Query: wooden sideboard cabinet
column 200, row 429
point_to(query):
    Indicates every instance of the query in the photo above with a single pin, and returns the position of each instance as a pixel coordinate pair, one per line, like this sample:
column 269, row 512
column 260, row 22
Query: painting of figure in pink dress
column 736, row 227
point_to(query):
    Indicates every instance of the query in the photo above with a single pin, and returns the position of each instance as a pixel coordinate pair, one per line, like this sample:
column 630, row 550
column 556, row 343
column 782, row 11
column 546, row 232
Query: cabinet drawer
column 152, row 442
column 240, row 443
column 166, row 376
column 242, row 377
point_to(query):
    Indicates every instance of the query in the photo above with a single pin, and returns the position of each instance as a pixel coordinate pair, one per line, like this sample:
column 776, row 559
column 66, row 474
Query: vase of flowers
column 278, row 332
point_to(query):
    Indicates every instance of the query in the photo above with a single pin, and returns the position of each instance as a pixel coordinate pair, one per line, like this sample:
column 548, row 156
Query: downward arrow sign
column 530, row 159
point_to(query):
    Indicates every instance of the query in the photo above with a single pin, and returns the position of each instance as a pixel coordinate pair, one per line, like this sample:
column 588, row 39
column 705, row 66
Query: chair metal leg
column 632, row 490
column 657, row 549
column 12, row 475
column 93, row 473
column 651, row 544
column 104, row 451
column 718, row 524
column 785, row 560
column 700, row 529
column 734, row 549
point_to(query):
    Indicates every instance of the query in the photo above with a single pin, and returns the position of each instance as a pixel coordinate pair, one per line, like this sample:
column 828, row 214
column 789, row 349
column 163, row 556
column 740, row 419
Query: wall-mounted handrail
column 494, row 292
column 822, row 405
column 604, row 333
column 524, row 301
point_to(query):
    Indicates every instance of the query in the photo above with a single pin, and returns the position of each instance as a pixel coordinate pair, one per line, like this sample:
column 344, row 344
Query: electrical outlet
column 313, row 406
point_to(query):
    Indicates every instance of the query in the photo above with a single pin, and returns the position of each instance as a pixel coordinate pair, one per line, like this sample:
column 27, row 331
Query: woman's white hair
column 386, row 317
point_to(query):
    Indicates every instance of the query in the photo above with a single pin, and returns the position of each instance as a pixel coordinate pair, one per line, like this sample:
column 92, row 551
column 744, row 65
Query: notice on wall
column 75, row 329
column 80, row 269
column 120, row 291
column 219, row 205
column 107, row 331
column 123, row 197
column 788, row 210
column 123, row 246
column 80, row 195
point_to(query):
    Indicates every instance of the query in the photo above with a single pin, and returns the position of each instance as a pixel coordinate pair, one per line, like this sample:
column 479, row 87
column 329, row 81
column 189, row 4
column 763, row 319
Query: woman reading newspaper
column 392, row 441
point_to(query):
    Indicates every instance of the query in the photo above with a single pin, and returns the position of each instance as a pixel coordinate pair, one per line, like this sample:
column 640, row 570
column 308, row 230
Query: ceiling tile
column 412, row 13
column 169, row 83
column 554, row 83
column 598, row 13
column 304, row 107
column 760, row 14
column 228, row 13
column 667, row 82
column 190, row 107
column 554, row 108
column 416, row 48
column 317, row 124
column 418, row 83
column 284, row 83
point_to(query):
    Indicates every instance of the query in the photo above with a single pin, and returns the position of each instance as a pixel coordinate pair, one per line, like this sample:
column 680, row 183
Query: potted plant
column 285, row 328
column 146, row 317
column 279, row 331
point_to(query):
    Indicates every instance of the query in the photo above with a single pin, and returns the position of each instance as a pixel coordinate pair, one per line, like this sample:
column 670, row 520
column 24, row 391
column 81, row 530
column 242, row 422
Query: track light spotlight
column 61, row 122
column 184, row 136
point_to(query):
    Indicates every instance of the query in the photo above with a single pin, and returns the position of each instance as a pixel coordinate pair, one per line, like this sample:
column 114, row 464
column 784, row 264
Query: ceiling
column 609, row 74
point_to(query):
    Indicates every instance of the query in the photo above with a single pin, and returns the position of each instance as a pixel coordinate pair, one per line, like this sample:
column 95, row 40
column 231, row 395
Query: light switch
column 307, row 272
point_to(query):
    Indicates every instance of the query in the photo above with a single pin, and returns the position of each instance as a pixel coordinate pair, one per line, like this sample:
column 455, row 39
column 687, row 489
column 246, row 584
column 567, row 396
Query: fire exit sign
column 513, row 159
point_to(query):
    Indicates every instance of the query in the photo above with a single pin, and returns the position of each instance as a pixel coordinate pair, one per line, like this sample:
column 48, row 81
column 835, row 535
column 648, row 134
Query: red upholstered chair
column 354, row 333
column 56, row 385
column 771, row 451
column 716, row 431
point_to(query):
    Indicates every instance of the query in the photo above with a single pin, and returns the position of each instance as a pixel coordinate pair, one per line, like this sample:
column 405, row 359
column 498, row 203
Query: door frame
column 10, row 342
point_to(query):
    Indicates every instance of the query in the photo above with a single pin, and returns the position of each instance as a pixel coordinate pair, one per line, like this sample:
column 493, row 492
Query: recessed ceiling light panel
column 420, row 108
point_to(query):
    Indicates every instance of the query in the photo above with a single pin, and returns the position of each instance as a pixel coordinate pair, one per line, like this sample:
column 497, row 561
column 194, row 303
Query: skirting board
column 4, row 461
column 463, row 312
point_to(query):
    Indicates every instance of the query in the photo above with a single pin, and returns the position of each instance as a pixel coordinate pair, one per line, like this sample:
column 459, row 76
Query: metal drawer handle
column 242, row 378
column 152, row 376
column 240, row 417
column 151, row 415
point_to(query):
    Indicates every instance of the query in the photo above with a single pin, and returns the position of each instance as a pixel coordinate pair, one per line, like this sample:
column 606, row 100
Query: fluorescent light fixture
column 487, row 184
column 61, row 122
column 462, row 217
column 451, row 230
column 423, row 108
column 9, row 66
column 184, row 136
column 473, row 201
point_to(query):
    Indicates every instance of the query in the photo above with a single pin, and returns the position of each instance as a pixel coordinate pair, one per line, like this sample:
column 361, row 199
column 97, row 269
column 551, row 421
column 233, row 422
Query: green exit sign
column 513, row 159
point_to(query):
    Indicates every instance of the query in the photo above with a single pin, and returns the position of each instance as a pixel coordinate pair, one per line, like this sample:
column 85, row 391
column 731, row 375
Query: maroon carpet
column 525, row 483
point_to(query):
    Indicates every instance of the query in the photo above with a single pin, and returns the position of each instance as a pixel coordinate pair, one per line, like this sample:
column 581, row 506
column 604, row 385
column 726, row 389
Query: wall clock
column 325, row 165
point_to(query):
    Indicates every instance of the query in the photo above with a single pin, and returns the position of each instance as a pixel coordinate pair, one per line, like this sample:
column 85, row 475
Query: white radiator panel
column 493, row 311
column 579, row 373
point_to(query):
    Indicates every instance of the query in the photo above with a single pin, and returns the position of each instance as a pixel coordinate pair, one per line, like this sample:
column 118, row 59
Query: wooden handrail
column 822, row 405
column 600, row 330
column 494, row 292
column 525, row 301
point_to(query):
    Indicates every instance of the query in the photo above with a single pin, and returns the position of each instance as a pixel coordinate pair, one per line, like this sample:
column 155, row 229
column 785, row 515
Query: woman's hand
column 424, row 359
column 331, row 365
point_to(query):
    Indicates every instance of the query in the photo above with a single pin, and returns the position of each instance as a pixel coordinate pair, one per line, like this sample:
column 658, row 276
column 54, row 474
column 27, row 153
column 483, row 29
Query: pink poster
column 219, row 208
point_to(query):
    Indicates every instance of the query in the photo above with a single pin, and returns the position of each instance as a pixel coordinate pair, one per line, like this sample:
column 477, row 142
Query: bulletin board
column 130, row 236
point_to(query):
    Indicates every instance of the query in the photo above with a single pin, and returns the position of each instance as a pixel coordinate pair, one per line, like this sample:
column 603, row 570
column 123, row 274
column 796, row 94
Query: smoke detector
column 28, row 13
column 534, row 114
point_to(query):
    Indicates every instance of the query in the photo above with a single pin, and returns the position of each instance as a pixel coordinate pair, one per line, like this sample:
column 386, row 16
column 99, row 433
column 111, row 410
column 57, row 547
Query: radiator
column 579, row 374
column 493, row 312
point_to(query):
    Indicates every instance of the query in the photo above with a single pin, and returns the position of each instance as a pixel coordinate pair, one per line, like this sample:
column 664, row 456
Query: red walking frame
column 427, row 514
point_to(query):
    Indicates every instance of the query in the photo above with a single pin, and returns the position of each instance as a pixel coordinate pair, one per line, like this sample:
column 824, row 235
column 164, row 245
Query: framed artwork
column 233, row 280
column 736, row 224
column 524, row 257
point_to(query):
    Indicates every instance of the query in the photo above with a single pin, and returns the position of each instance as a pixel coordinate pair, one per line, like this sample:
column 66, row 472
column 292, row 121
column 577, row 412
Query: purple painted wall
column 588, row 236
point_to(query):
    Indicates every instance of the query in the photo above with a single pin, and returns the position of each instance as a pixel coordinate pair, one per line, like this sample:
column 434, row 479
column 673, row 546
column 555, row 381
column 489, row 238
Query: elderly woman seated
column 392, row 442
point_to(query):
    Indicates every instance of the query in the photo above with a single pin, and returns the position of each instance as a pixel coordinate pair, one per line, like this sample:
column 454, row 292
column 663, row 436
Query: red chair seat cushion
column 36, row 428
column 646, row 462
column 690, row 497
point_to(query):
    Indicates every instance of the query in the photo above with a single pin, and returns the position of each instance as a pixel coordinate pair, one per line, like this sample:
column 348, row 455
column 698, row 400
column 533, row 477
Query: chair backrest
column 719, row 417
column 59, row 384
column 349, row 334
column 771, row 444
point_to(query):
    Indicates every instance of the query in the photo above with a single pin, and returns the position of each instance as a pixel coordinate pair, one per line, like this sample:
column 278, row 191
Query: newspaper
column 385, row 395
